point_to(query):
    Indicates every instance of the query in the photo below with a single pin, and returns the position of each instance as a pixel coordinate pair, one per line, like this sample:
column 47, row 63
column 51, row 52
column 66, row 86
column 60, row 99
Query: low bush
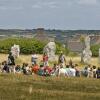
column 95, row 50
column 27, row 46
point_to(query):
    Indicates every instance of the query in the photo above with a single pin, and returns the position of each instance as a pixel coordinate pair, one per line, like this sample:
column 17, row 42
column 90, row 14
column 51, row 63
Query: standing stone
column 50, row 50
column 15, row 50
column 87, row 54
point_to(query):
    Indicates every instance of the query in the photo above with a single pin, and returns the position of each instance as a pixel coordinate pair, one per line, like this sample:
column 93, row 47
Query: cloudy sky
column 50, row 14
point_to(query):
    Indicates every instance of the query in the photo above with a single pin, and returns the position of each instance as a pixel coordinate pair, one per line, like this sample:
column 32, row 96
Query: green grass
column 21, row 87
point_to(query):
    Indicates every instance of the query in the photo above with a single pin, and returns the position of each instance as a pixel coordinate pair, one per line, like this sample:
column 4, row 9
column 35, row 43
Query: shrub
column 27, row 46
column 60, row 47
column 95, row 50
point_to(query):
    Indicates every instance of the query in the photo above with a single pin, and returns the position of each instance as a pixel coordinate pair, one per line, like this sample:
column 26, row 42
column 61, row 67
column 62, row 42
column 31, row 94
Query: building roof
column 95, row 39
column 76, row 46
column 41, row 35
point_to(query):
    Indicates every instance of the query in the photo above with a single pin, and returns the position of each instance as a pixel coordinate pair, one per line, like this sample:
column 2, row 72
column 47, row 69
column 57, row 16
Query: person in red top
column 35, row 68
column 45, row 59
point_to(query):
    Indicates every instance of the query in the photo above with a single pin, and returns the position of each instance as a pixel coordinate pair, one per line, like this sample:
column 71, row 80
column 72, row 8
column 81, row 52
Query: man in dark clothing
column 98, row 73
column 11, row 62
column 5, row 67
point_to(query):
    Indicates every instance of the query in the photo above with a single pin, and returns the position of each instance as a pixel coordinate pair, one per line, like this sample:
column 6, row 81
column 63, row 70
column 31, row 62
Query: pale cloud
column 46, row 4
column 69, row 3
column 3, row 8
column 19, row 8
column 50, row 4
column 36, row 6
column 88, row 2
column 10, row 8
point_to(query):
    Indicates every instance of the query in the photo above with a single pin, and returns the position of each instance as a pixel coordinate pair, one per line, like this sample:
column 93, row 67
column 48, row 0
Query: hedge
column 27, row 46
column 95, row 50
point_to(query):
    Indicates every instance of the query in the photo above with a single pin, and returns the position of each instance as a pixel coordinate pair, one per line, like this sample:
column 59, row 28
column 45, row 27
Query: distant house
column 3, row 36
column 95, row 39
column 74, row 44
column 27, row 36
column 42, row 36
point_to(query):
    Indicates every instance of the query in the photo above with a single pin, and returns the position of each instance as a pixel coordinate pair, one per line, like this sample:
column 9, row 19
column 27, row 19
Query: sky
column 50, row 14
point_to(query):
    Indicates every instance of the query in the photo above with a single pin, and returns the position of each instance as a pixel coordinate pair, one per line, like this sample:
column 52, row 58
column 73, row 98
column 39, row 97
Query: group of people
column 43, row 69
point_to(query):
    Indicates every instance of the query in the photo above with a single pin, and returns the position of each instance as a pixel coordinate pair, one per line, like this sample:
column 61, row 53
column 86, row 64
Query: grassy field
column 21, row 87
column 27, row 58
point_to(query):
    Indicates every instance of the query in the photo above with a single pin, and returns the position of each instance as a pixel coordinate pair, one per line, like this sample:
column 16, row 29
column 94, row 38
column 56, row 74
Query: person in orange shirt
column 35, row 68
